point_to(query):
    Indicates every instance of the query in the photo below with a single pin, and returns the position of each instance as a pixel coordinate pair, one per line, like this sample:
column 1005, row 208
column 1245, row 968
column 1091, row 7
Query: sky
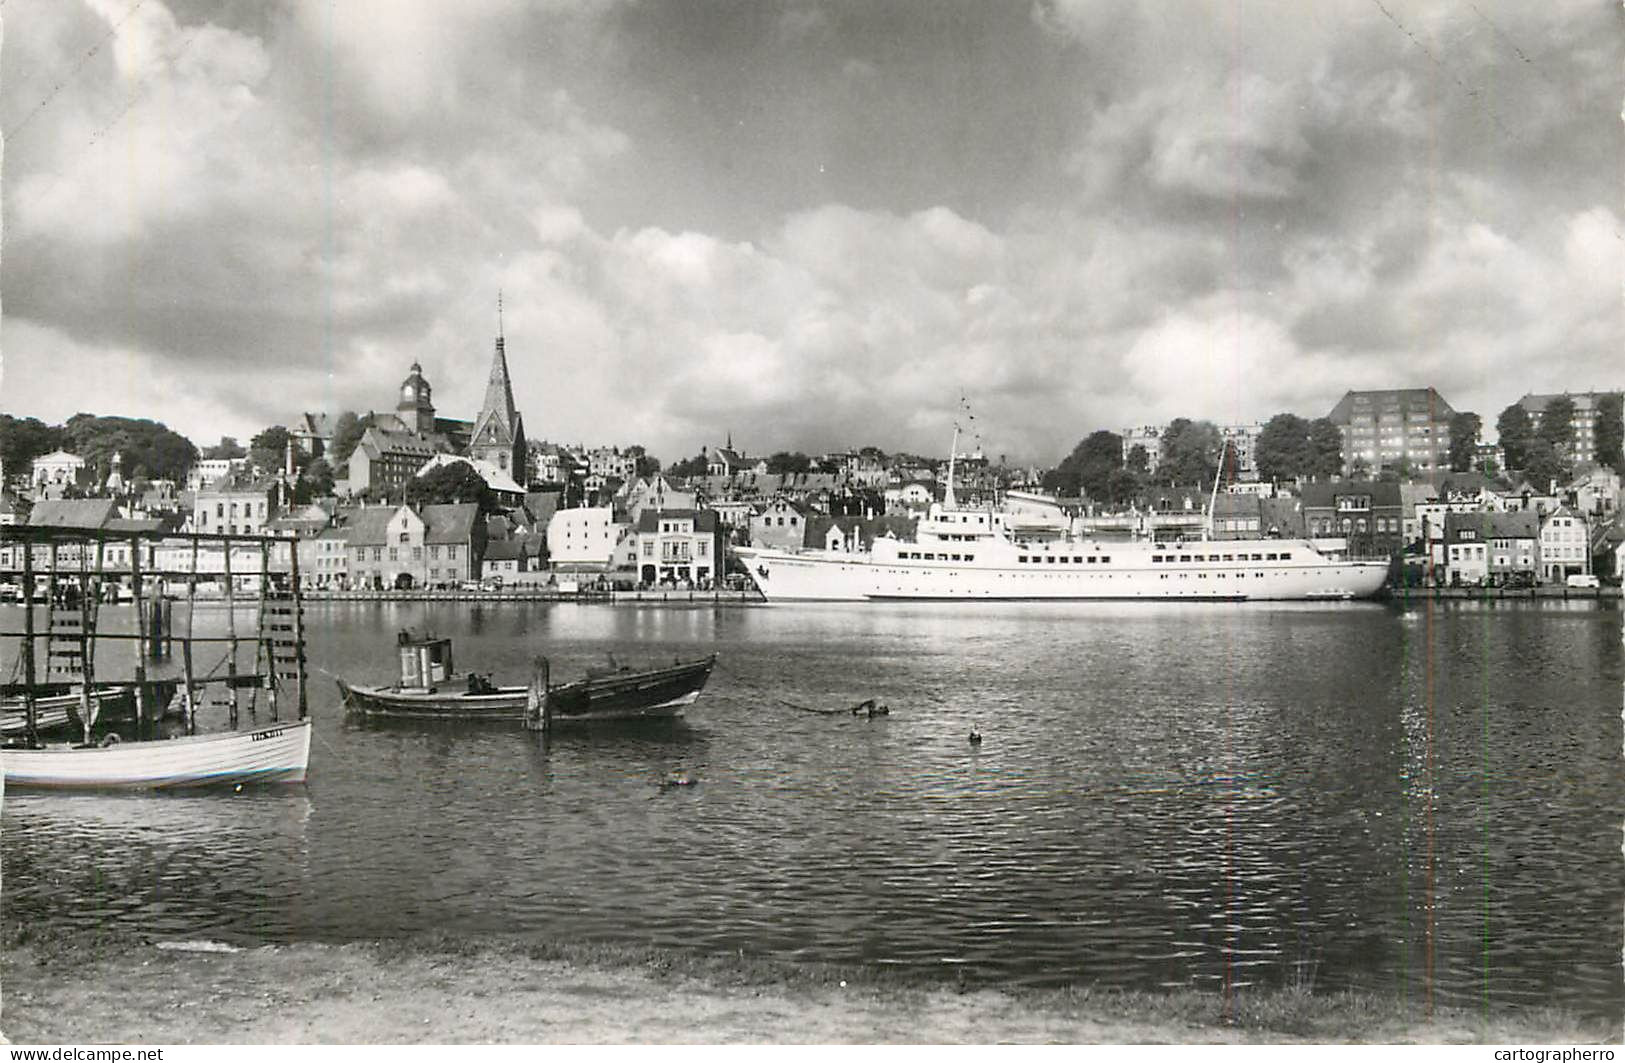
column 807, row 225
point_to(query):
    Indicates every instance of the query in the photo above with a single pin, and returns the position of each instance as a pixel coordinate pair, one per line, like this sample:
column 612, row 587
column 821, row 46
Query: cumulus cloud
column 1083, row 215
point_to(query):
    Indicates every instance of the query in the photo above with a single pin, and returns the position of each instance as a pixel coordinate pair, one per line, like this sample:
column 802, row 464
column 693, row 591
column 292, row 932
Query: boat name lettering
column 260, row 736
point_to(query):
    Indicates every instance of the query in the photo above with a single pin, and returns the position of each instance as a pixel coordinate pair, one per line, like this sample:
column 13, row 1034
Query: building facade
column 403, row 547
column 1582, row 447
column 679, row 546
column 1381, row 429
column 1565, row 545
column 235, row 507
column 1369, row 514
column 584, row 537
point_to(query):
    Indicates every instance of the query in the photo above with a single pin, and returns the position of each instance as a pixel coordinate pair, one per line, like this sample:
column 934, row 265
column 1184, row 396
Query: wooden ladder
column 281, row 655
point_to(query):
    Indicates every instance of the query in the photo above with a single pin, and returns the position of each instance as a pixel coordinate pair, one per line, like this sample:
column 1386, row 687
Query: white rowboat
column 278, row 753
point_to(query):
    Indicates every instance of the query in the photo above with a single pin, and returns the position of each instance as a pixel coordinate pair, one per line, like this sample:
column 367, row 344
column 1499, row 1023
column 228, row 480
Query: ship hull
column 819, row 576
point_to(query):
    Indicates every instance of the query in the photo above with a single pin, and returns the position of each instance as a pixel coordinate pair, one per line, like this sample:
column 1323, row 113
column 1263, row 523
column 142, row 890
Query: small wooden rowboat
column 430, row 690
column 278, row 753
column 55, row 713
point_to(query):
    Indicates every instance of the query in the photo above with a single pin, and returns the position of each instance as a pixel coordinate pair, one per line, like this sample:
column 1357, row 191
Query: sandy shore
column 391, row 993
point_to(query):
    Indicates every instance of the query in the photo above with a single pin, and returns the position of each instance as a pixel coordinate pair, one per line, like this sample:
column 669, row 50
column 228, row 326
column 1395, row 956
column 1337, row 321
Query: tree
column 646, row 465
column 1325, row 448
column 148, row 449
column 228, row 447
column 1610, row 431
column 347, row 432
column 1515, row 434
column 1089, row 468
column 455, row 481
column 783, row 462
column 24, row 439
column 1190, row 452
column 1283, row 450
column 268, row 450
column 1138, row 461
column 1544, row 463
column 316, row 481
column 1464, row 429
column 689, row 467
column 1557, row 423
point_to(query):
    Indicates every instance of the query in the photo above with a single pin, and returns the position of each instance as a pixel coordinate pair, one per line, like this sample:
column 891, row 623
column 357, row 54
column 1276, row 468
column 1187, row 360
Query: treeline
column 146, row 449
column 1546, row 453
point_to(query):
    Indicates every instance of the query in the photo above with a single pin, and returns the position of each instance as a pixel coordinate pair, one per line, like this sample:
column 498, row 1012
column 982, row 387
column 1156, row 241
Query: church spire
column 499, row 434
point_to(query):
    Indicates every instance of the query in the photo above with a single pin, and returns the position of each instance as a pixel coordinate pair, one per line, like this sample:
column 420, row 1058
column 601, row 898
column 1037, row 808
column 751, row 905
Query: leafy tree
column 1325, row 448
column 1515, row 434
column 1283, row 450
column 1544, row 463
column 228, row 447
column 1464, row 429
column 1557, row 422
column 148, row 448
column 455, row 481
column 646, row 465
column 689, row 467
column 347, row 432
column 1190, row 452
column 784, row 462
column 1089, row 468
column 1138, row 461
column 1611, row 431
column 316, row 481
column 22, row 439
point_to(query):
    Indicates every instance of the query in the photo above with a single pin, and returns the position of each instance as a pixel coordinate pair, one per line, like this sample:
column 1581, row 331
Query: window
column 417, row 553
column 451, row 552
column 403, row 537
column 393, row 554
column 648, row 548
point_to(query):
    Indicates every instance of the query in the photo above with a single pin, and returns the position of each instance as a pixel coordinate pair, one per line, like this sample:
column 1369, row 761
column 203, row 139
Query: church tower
column 415, row 410
column 499, row 431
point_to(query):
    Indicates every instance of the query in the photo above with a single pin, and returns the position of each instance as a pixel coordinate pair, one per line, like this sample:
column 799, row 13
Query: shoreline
column 93, row 988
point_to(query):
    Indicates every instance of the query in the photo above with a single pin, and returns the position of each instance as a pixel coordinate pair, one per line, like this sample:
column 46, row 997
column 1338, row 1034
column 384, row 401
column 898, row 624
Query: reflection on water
column 1415, row 801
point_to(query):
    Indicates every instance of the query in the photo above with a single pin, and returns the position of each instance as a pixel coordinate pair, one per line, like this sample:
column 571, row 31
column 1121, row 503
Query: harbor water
column 1425, row 801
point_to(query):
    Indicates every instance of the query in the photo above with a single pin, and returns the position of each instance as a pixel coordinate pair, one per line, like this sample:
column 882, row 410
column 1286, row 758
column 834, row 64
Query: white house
column 584, row 537
column 1565, row 545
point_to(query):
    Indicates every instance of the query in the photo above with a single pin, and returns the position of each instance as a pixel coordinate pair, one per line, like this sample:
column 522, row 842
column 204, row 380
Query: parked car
column 1583, row 580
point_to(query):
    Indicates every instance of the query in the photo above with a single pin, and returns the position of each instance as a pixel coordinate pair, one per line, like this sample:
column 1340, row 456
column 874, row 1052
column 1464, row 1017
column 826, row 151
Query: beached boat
column 278, row 753
column 429, row 689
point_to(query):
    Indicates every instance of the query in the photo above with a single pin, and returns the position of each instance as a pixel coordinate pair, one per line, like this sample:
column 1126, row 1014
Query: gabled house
column 678, row 546
column 402, row 547
column 1565, row 545
column 781, row 525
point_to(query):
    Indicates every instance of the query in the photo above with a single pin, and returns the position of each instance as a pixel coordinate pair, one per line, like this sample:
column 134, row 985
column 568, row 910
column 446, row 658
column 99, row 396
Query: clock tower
column 414, row 408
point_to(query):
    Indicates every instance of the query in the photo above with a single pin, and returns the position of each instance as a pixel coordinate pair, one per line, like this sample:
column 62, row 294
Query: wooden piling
column 538, row 699
column 141, row 692
column 186, row 646
column 31, row 729
column 298, row 626
column 267, row 643
column 231, row 636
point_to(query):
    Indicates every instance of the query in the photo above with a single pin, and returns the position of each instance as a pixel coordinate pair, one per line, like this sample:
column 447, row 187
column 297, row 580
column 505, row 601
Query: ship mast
column 1213, row 501
column 953, row 452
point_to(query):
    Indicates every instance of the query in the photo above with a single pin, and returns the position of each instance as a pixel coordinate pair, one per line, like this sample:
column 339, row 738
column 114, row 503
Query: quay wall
column 1556, row 592
column 540, row 594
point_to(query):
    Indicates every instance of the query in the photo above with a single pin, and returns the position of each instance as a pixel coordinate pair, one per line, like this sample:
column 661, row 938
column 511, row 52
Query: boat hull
column 58, row 712
column 822, row 576
column 653, row 694
column 279, row 753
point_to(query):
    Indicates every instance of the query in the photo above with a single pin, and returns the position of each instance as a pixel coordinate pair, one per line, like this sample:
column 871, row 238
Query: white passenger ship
column 979, row 554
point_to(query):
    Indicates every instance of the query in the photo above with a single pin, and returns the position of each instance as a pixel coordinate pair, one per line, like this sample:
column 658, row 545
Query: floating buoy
column 975, row 736
column 676, row 778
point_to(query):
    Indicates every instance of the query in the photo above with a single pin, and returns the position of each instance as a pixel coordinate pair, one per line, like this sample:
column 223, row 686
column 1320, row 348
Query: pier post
column 31, row 724
column 298, row 626
column 186, row 646
column 538, row 699
column 231, row 635
column 267, row 633
column 141, row 692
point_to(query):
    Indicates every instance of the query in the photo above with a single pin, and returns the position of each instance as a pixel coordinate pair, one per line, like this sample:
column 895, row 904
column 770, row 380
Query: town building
column 405, row 547
column 312, row 433
column 1381, row 429
column 394, row 446
column 781, row 525
column 583, row 538
column 1243, row 439
column 1565, row 545
column 206, row 471
column 551, row 463
column 324, row 559
column 51, row 474
column 235, row 507
column 1368, row 514
column 679, row 546
column 610, row 463
column 1466, row 547
column 499, row 431
column 1582, row 446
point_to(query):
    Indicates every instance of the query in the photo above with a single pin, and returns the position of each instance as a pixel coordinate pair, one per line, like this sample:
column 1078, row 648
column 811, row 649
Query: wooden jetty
column 62, row 664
